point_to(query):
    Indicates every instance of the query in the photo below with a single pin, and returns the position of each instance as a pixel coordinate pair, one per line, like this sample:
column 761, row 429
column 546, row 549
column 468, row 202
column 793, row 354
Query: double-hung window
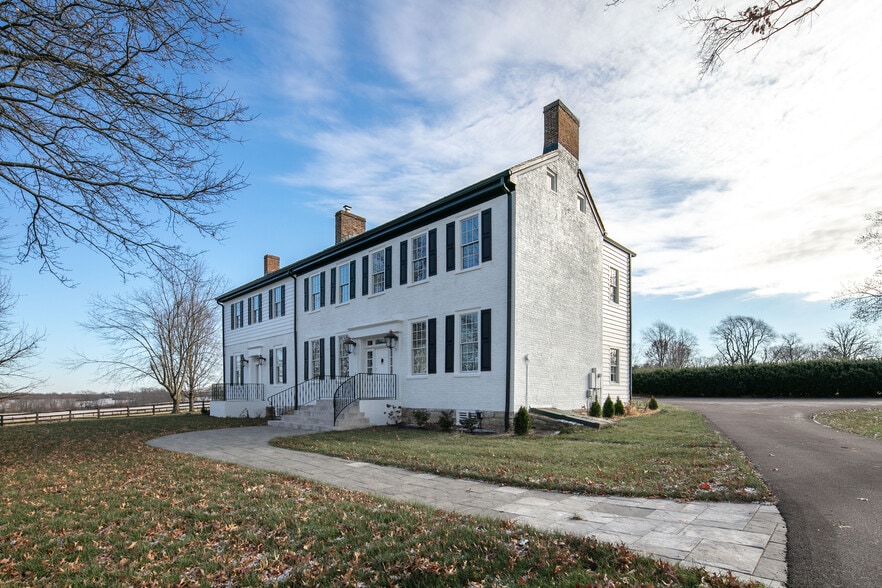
column 343, row 356
column 614, row 365
column 279, row 367
column 470, row 234
column 614, row 285
column 378, row 272
column 315, row 291
column 418, row 348
column 256, row 314
column 419, row 253
column 468, row 342
column 238, row 314
column 344, row 278
column 277, row 302
column 237, row 369
column 316, row 357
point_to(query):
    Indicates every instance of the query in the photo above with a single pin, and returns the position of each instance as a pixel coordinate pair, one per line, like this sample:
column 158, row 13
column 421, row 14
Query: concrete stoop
column 319, row 417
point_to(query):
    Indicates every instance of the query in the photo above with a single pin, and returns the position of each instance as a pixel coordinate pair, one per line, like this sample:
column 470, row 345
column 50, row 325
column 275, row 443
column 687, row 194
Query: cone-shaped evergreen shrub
column 608, row 408
column 594, row 409
column 653, row 403
column 522, row 422
column 619, row 408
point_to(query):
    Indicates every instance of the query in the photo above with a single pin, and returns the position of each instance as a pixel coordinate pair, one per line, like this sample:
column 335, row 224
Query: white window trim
column 313, row 307
column 425, row 323
column 372, row 274
column 459, row 343
column 339, row 293
column 413, row 258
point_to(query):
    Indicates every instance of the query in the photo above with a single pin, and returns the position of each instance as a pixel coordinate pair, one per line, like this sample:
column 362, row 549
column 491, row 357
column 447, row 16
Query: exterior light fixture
column 260, row 360
column 349, row 345
column 391, row 339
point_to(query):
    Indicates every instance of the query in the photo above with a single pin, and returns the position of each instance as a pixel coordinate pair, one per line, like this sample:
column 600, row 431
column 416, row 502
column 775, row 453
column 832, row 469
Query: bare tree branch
column 18, row 348
column 849, row 341
column 865, row 298
column 108, row 136
column 739, row 339
column 167, row 333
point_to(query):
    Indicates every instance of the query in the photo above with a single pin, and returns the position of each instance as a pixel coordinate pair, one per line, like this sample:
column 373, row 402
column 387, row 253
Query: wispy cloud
column 754, row 179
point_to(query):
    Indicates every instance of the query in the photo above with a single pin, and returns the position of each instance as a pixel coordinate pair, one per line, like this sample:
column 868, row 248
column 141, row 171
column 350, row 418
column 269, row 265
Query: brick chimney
column 347, row 225
column 270, row 264
column 561, row 129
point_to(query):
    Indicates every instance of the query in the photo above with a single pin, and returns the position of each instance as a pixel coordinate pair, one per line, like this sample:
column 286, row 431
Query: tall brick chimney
column 270, row 263
column 561, row 128
column 347, row 225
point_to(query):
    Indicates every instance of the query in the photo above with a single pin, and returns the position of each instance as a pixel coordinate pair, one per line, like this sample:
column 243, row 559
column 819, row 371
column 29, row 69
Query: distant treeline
column 808, row 379
column 50, row 402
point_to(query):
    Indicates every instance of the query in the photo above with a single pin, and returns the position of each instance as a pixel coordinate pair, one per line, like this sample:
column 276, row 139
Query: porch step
column 319, row 417
column 569, row 417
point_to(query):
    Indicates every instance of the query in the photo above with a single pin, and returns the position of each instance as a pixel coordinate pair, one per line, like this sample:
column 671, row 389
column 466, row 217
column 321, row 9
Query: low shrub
column 653, row 403
column 470, row 423
column 421, row 417
column 522, row 422
column 594, row 409
column 608, row 408
column 619, row 408
column 393, row 414
column 446, row 420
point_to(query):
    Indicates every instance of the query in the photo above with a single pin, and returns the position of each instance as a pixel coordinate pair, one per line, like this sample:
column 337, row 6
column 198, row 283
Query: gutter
column 509, row 352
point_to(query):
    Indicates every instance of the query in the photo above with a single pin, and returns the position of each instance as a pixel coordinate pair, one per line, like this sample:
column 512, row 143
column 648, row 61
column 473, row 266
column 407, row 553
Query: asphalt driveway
column 829, row 484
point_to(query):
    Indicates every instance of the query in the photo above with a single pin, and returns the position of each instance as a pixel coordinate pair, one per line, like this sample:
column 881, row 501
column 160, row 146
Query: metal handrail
column 237, row 392
column 364, row 387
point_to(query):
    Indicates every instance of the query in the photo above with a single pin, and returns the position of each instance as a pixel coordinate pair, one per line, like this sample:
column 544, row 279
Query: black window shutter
column 433, row 252
column 485, row 340
column 260, row 307
column 272, row 354
column 322, row 289
column 282, row 294
column 321, row 359
column 352, row 279
column 306, row 294
column 284, row 379
column 388, row 277
column 402, row 269
column 333, row 285
column 364, row 275
column 272, row 302
column 486, row 236
column 249, row 310
column 232, row 316
column 431, row 347
column 232, row 371
column 448, row 343
column 332, row 348
column 305, row 360
column 451, row 246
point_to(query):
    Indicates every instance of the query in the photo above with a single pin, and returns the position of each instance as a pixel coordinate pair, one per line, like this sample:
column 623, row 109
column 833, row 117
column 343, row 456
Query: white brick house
column 506, row 293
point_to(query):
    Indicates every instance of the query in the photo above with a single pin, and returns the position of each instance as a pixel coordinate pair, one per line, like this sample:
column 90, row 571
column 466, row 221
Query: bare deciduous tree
column 108, row 135
column 739, row 339
column 666, row 347
column 167, row 333
column 865, row 298
column 790, row 349
column 747, row 27
column 849, row 341
column 18, row 347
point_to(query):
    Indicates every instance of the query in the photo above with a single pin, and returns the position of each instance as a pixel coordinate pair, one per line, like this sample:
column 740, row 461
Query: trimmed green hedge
column 809, row 379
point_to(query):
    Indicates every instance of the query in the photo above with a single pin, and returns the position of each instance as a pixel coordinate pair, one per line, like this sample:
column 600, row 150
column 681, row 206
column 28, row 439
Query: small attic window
column 583, row 203
column 552, row 181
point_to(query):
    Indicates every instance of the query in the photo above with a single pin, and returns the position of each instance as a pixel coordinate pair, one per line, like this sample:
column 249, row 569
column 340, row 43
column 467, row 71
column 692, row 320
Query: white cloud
column 756, row 178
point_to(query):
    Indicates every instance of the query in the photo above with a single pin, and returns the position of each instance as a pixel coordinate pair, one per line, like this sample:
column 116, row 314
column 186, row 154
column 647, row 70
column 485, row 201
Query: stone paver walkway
column 747, row 539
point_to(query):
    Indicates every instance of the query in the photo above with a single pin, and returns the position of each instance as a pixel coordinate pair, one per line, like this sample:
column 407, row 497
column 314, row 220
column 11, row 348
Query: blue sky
column 742, row 192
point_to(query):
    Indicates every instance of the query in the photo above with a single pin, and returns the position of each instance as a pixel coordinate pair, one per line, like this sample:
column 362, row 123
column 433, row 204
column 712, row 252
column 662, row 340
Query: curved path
column 829, row 484
column 746, row 539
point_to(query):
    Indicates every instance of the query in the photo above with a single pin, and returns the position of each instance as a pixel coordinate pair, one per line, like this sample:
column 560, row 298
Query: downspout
column 630, row 336
column 223, row 347
column 509, row 309
column 296, row 345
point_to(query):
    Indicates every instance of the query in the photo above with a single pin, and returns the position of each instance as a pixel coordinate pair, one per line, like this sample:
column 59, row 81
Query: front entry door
column 378, row 360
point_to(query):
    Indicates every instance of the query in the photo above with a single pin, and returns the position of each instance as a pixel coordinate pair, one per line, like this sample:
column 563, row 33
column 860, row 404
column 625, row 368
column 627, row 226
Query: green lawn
column 670, row 454
column 866, row 422
column 88, row 504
